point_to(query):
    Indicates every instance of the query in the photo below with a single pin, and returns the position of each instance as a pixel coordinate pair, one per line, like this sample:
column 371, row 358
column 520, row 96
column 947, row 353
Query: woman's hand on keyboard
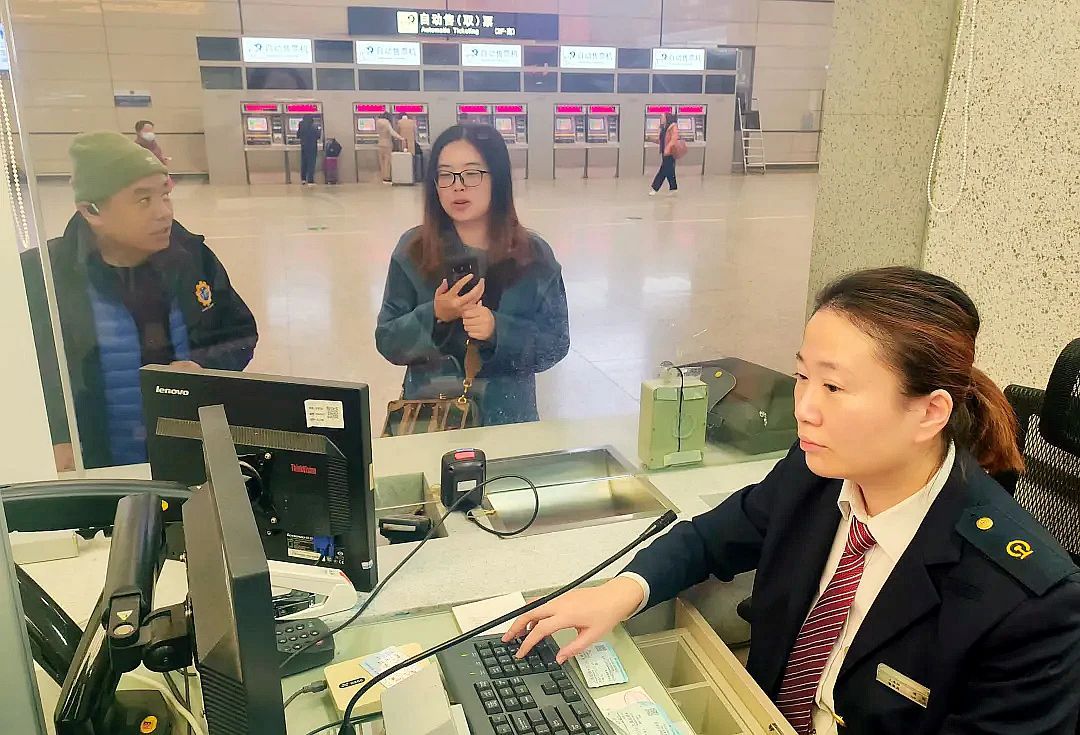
column 593, row 612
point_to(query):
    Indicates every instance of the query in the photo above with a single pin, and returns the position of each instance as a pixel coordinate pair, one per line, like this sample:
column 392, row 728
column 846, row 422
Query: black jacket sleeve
column 1025, row 676
column 45, row 346
column 230, row 342
column 533, row 343
column 723, row 542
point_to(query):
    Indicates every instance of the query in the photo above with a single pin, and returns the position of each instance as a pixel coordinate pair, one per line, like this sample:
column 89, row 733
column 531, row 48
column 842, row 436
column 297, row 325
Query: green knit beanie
column 106, row 162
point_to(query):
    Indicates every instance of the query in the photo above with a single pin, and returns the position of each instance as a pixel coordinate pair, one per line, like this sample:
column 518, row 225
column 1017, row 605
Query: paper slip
column 379, row 662
column 600, row 666
column 633, row 713
column 475, row 614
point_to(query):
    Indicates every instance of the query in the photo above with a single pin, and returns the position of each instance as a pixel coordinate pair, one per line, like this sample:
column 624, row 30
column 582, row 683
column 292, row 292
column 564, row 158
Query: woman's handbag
column 678, row 148
column 429, row 415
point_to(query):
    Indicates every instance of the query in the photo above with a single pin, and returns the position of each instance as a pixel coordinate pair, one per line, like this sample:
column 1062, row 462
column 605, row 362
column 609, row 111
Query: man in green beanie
column 133, row 288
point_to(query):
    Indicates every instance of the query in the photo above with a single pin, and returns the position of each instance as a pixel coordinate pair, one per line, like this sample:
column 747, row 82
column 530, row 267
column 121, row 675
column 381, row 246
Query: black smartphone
column 460, row 266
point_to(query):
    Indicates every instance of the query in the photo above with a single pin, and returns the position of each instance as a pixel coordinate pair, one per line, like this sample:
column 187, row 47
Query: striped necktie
column 821, row 630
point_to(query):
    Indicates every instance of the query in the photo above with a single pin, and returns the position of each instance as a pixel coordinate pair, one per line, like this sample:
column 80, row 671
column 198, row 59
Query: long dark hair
column 926, row 327
column 509, row 240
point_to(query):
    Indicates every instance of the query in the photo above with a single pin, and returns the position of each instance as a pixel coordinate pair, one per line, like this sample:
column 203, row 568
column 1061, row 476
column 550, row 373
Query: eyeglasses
column 471, row 178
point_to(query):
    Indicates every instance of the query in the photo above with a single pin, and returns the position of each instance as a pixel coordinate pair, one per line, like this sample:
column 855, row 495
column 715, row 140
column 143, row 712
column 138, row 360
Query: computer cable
column 353, row 721
column 523, row 529
column 313, row 688
column 345, row 727
column 379, row 587
column 184, row 700
column 179, row 708
column 682, row 390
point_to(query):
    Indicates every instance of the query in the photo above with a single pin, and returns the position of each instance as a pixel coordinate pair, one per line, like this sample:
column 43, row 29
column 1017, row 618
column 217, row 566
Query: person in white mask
column 145, row 136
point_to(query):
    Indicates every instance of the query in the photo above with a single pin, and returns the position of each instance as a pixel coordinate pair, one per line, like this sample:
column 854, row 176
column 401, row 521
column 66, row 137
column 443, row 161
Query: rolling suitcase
column 401, row 168
column 330, row 170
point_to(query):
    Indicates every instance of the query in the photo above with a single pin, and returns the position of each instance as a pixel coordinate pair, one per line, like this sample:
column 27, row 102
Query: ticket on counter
column 379, row 662
column 633, row 712
column 600, row 666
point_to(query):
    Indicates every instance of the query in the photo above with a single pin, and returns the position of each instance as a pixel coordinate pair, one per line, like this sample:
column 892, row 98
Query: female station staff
column 884, row 551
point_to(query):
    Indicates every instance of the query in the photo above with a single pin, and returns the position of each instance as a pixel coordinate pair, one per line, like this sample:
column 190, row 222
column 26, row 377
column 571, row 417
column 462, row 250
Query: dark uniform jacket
column 221, row 329
column 983, row 608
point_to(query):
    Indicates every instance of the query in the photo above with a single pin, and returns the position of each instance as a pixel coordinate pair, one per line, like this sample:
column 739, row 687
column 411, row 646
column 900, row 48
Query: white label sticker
column 600, row 666
column 325, row 414
column 379, row 662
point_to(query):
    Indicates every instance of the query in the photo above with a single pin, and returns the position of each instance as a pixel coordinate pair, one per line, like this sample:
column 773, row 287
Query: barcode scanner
column 463, row 470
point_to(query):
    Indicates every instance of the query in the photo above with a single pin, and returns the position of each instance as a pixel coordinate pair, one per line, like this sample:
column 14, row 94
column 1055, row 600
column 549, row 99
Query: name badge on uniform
column 905, row 686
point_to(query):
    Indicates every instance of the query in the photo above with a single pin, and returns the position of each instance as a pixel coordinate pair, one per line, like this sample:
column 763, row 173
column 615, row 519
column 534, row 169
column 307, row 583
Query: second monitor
column 305, row 450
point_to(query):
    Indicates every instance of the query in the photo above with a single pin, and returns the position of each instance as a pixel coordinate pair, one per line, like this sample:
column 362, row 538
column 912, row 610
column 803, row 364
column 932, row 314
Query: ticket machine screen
column 686, row 125
column 258, row 125
column 365, row 125
column 564, row 125
column 597, row 125
column 294, row 124
column 504, row 125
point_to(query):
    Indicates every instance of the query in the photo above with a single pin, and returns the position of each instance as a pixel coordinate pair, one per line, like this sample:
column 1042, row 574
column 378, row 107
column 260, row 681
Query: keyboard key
column 482, row 685
column 503, row 729
column 524, row 668
column 505, row 691
column 535, row 717
column 517, row 681
column 580, row 710
column 560, row 732
column 489, row 661
column 488, row 694
column 542, row 730
column 550, row 688
column 491, row 706
column 506, row 661
column 499, row 720
column 571, row 695
column 522, row 726
column 521, row 691
column 565, row 684
column 554, row 720
column 574, row 728
column 556, row 675
column 512, row 704
column 495, row 672
column 589, row 723
column 527, row 702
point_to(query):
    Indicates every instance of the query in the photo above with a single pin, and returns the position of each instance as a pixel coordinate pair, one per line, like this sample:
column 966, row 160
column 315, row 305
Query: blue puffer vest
column 120, row 358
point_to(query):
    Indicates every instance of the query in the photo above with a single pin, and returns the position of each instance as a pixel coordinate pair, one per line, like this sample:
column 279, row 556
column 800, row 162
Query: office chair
column 1049, row 435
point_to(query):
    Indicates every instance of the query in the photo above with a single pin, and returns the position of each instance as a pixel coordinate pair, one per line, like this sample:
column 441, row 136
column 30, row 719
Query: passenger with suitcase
column 387, row 136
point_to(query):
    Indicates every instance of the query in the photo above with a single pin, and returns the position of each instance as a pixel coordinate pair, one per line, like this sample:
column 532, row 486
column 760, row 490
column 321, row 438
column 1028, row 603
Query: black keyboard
column 504, row 696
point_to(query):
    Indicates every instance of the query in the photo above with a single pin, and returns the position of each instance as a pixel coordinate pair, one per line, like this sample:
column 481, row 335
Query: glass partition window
column 295, row 175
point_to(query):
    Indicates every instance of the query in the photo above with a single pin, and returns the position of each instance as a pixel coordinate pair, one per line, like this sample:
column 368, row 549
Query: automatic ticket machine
column 263, row 129
column 366, row 134
column 586, row 141
column 512, row 122
column 692, row 122
column 271, row 147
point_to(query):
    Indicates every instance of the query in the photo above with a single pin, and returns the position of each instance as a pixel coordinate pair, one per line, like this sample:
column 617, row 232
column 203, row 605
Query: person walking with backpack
column 669, row 147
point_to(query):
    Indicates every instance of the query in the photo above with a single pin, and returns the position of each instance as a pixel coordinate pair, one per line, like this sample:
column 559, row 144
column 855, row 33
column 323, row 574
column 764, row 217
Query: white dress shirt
column 893, row 531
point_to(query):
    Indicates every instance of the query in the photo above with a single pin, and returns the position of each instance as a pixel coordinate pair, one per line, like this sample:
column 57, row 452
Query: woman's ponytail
column 993, row 426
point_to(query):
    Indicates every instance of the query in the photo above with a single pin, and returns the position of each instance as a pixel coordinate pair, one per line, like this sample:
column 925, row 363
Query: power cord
column 682, row 390
column 183, row 711
column 523, row 529
column 379, row 587
column 353, row 721
column 313, row 688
